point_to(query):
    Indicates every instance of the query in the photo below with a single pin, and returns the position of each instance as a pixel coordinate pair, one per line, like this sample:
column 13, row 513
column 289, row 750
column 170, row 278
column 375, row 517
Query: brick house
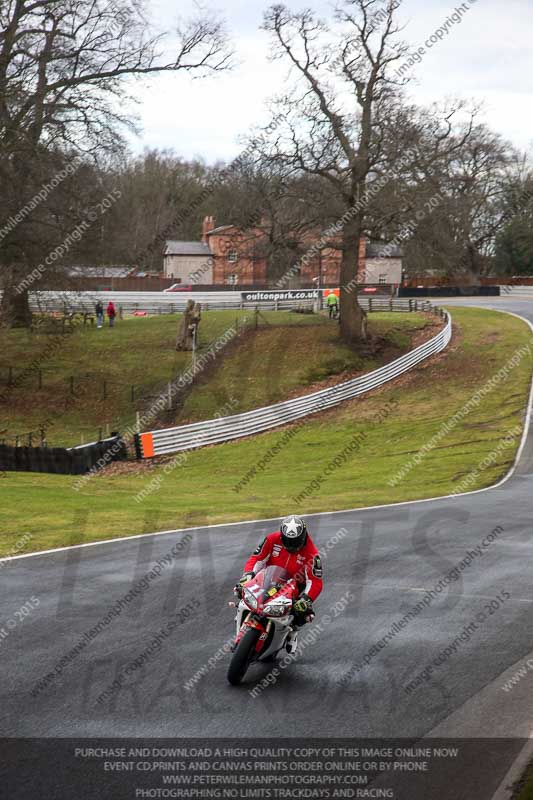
column 228, row 255
column 237, row 255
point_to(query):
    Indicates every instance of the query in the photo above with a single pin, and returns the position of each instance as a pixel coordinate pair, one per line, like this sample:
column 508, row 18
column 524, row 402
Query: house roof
column 175, row 248
column 383, row 250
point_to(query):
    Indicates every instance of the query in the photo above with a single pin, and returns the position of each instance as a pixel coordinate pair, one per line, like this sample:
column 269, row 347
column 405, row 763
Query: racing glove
column 304, row 604
column 244, row 579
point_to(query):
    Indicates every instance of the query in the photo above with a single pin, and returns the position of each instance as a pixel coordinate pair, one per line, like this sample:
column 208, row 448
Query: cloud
column 487, row 57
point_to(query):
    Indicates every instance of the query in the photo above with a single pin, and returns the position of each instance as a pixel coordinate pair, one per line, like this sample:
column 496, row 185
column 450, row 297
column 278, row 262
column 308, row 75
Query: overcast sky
column 487, row 57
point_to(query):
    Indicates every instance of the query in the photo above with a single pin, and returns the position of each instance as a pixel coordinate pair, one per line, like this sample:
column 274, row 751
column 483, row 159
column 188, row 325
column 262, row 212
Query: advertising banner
column 270, row 295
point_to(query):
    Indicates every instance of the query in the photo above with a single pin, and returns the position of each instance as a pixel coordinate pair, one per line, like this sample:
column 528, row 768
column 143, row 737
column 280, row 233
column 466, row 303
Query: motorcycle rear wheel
column 242, row 657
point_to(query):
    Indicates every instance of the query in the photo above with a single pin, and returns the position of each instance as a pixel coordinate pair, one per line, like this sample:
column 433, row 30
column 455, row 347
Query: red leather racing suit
column 305, row 565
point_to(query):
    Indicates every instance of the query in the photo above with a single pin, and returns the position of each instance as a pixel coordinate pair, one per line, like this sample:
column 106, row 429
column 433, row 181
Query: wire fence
column 99, row 387
column 43, row 435
column 42, row 377
column 225, row 429
column 36, row 438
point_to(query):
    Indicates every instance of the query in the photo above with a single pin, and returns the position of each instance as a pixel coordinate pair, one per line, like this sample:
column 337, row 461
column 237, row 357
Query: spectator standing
column 111, row 314
column 99, row 311
column 332, row 304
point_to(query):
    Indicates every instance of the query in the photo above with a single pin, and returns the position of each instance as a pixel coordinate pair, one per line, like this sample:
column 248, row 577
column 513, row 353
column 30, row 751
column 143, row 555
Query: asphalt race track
column 386, row 557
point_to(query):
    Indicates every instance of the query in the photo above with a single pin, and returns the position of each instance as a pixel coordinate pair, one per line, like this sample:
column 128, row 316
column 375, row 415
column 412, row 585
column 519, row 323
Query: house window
column 232, row 279
column 382, row 278
column 233, row 256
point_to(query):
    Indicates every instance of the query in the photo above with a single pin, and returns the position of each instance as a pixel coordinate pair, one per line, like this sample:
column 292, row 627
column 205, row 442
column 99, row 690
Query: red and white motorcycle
column 263, row 619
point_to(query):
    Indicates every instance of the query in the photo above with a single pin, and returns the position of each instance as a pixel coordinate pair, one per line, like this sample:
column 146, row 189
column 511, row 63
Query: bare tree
column 348, row 123
column 268, row 199
column 64, row 66
column 514, row 242
column 456, row 239
column 332, row 123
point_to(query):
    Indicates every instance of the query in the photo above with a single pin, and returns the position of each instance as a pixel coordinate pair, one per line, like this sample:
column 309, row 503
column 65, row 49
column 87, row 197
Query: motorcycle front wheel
column 243, row 655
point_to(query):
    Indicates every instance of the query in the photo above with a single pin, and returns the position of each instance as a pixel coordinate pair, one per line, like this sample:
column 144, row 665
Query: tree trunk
column 473, row 264
column 188, row 326
column 353, row 318
column 14, row 308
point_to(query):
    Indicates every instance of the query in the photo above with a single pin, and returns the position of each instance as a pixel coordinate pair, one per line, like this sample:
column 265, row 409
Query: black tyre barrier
column 63, row 460
column 449, row 291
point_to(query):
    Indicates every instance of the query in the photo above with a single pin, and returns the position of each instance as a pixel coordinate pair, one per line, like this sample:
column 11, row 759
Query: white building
column 383, row 264
column 188, row 262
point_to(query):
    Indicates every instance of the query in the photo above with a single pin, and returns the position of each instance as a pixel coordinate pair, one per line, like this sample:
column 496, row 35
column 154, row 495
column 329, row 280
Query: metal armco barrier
column 215, row 431
column 154, row 302
column 513, row 289
column 385, row 304
column 169, row 302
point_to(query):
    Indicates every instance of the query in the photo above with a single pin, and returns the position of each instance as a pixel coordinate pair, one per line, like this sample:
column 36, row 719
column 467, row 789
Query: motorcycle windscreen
column 269, row 578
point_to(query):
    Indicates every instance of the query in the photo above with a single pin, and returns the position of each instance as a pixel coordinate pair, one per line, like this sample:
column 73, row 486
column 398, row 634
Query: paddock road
column 385, row 558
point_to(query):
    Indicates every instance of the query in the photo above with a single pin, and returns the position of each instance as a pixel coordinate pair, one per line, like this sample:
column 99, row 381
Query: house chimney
column 207, row 225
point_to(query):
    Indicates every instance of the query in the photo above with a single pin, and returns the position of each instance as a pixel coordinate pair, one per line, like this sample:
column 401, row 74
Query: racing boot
column 291, row 643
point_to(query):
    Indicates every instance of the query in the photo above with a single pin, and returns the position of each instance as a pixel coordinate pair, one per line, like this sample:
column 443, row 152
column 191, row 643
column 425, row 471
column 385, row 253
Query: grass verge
column 227, row 483
column 277, row 362
column 524, row 789
column 138, row 358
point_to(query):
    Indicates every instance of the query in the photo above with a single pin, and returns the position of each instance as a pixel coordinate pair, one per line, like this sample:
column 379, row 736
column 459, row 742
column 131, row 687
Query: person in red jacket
column 293, row 549
column 111, row 313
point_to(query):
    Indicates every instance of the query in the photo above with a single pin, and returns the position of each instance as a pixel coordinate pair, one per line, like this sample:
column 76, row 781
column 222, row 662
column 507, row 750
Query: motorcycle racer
column 293, row 549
